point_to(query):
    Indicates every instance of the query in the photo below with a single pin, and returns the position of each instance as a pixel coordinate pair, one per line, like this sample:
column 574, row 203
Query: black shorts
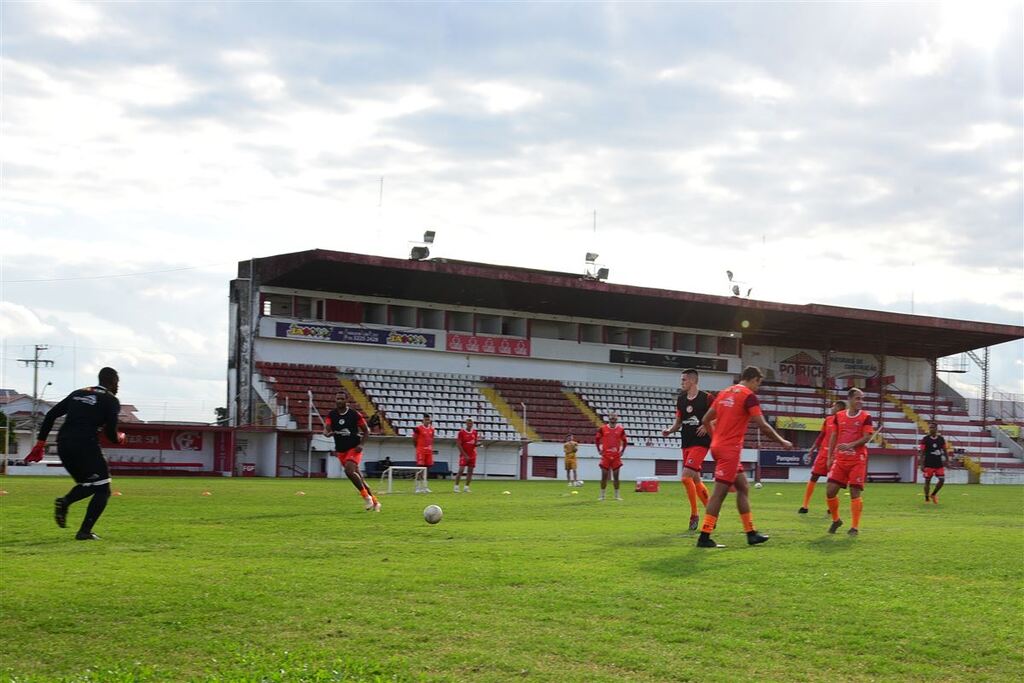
column 84, row 462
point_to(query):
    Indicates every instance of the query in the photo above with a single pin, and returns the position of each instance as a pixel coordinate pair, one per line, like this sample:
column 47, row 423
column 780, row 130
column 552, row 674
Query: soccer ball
column 758, row 485
column 433, row 514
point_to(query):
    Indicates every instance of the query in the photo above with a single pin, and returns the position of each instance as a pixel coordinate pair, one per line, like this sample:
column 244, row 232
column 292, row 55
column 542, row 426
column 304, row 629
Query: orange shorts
column 468, row 460
column 693, row 457
column 934, row 472
column 425, row 458
column 852, row 473
column 820, row 466
column 351, row 455
column 727, row 464
column 611, row 460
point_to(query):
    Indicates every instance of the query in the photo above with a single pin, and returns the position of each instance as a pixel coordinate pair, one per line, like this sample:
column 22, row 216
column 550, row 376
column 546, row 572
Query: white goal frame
column 418, row 473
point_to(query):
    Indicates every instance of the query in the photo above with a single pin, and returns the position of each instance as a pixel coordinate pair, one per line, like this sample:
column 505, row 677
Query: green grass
column 257, row 583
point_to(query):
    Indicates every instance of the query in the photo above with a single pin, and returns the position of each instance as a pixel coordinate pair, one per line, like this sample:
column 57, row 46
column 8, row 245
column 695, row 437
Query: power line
column 115, row 275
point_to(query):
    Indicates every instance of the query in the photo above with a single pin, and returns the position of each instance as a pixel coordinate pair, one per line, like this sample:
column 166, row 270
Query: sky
column 857, row 154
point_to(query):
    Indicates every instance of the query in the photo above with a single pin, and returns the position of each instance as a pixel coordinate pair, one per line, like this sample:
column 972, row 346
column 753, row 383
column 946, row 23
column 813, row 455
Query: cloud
column 18, row 322
column 504, row 98
column 76, row 22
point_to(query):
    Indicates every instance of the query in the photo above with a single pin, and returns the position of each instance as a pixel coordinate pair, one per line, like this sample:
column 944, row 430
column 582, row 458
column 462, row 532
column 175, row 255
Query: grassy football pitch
column 255, row 582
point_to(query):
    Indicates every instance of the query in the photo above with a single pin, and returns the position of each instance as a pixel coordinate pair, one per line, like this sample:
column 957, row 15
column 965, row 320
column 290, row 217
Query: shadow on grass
column 832, row 544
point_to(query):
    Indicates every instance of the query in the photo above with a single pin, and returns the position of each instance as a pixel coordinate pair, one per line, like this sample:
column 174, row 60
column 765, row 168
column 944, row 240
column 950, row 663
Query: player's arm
column 770, row 431
column 819, row 441
column 625, row 442
column 920, row 454
column 327, row 427
column 460, row 445
column 708, row 422
column 59, row 410
column 866, row 435
column 675, row 425
column 832, row 446
column 113, row 412
column 364, row 431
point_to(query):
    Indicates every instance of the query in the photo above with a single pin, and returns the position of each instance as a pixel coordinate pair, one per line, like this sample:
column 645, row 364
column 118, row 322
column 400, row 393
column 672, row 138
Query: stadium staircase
column 290, row 385
column 367, row 406
column 583, row 407
column 506, row 411
column 550, row 413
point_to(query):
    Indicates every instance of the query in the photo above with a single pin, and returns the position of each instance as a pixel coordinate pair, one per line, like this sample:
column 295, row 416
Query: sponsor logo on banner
column 784, row 458
column 800, row 423
column 1013, row 431
column 664, row 360
column 355, row 335
column 494, row 346
column 802, row 369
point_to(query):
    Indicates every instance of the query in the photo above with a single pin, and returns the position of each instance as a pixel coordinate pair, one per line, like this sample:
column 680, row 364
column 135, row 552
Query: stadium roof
column 526, row 290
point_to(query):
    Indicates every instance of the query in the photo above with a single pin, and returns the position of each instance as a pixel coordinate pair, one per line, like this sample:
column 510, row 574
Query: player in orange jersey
column 691, row 404
column 727, row 421
column 423, row 440
column 848, row 461
column 467, row 441
column 611, row 444
column 820, row 467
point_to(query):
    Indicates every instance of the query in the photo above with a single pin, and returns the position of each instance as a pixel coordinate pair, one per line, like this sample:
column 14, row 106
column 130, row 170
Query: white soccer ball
column 433, row 514
column 758, row 485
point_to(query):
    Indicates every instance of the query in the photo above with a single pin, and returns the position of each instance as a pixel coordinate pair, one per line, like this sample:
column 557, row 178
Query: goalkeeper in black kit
column 86, row 412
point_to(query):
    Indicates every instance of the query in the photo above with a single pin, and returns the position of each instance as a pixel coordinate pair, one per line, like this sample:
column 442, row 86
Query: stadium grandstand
column 534, row 355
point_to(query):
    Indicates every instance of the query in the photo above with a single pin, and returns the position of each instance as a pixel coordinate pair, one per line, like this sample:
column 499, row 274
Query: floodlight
column 419, row 253
column 735, row 290
column 591, row 257
column 749, row 291
column 428, row 236
column 602, row 273
column 728, row 274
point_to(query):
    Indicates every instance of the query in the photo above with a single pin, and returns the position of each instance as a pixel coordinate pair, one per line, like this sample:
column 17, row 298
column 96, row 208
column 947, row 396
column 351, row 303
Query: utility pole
column 35, row 362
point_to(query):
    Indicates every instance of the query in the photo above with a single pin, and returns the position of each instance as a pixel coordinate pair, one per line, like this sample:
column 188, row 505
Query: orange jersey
column 850, row 428
column 611, row 439
column 423, row 437
column 733, row 409
column 468, row 440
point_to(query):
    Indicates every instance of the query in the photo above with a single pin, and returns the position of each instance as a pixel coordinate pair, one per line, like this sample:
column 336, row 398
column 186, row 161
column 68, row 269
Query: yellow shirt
column 570, row 448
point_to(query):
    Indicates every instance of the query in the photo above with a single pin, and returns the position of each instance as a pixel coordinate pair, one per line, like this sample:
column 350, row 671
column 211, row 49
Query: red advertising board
column 494, row 346
column 159, row 440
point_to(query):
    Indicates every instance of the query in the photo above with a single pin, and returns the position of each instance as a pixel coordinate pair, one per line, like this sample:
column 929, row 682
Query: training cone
column 117, row 493
column 300, row 493
column 506, row 493
column 207, row 493
column 3, row 492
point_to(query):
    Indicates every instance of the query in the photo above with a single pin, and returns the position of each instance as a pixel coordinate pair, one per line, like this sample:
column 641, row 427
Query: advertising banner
column 665, row 360
column 495, row 346
column 355, row 335
column 784, row 458
column 162, row 440
column 799, row 422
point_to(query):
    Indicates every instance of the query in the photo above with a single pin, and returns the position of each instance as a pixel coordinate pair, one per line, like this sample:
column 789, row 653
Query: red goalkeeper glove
column 37, row 452
column 122, row 438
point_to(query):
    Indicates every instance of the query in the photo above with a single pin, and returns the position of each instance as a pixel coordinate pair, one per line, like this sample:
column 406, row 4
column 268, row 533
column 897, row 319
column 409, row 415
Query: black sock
column 705, row 535
column 938, row 487
column 96, row 507
column 78, row 493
